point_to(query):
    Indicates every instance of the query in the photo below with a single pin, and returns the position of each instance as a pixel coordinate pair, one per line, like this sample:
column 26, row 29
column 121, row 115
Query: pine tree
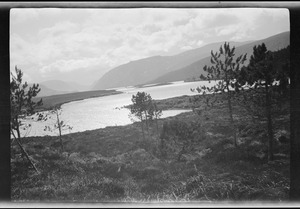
column 223, row 71
column 154, row 113
column 139, row 108
column 59, row 124
column 22, row 105
column 261, row 75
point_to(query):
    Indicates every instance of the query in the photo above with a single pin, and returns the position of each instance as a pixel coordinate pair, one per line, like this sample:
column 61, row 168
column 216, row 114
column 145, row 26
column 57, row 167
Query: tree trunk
column 19, row 137
column 146, row 119
column 17, row 128
column 142, row 128
column 157, row 128
column 269, row 121
column 23, row 150
column 59, row 130
column 231, row 118
column 61, row 142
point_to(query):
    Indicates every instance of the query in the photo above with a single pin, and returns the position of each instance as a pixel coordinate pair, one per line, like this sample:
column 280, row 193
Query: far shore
column 49, row 102
column 152, row 85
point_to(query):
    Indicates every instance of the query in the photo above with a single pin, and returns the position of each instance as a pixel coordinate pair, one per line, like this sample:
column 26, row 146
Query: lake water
column 100, row 112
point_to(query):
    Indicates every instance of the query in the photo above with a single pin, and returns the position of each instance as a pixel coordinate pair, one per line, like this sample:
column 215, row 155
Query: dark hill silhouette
column 273, row 43
column 144, row 70
column 45, row 91
column 51, row 87
column 186, row 65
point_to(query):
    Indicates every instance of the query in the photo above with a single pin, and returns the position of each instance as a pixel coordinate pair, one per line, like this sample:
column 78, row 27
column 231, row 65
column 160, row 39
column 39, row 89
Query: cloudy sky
column 82, row 44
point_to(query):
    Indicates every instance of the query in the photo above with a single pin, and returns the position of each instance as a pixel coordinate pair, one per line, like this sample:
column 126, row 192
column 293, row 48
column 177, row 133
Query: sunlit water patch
column 100, row 112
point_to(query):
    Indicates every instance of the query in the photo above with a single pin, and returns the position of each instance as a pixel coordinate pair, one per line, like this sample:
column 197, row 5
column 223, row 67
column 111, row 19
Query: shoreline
column 152, row 85
column 70, row 136
column 122, row 158
column 49, row 102
column 185, row 113
column 173, row 103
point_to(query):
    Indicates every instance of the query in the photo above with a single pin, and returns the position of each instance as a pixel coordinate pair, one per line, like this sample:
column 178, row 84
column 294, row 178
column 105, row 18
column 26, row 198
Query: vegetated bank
column 115, row 164
column 152, row 85
column 57, row 100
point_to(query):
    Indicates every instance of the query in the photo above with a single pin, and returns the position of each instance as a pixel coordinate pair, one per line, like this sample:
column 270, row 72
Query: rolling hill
column 159, row 69
column 273, row 43
column 45, row 91
column 59, row 85
column 56, row 87
column 147, row 69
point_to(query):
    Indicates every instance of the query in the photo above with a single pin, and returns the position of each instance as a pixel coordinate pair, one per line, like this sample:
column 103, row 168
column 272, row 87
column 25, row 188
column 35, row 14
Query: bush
column 131, row 187
column 38, row 146
column 147, row 173
column 152, row 188
column 112, row 190
column 202, row 187
column 69, row 168
column 111, row 170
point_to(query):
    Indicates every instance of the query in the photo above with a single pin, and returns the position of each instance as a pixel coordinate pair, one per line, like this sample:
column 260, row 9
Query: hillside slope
column 273, row 43
column 45, row 91
column 51, row 87
column 144, row 70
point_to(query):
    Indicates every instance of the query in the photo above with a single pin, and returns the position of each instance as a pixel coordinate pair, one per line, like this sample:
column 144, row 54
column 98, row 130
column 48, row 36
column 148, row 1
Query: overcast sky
column 82, row 44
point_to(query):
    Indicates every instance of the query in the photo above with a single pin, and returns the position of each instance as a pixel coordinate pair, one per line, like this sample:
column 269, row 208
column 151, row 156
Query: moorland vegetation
column 233, row 146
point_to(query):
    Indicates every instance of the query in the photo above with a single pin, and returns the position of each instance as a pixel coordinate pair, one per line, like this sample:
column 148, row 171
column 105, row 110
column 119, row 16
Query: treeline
column 259, row 88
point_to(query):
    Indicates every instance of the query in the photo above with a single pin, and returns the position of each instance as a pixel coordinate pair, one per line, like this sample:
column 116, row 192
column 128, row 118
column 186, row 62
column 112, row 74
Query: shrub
column 112, row 190
column 38, row 146
column 148, row 173
column 152, row 188
column 181, row 136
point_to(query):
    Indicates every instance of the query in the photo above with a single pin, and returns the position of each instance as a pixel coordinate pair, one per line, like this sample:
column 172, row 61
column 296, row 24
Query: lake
column 100, row 112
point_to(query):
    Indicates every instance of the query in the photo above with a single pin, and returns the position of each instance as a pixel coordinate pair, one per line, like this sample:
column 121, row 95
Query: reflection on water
column 94, row 113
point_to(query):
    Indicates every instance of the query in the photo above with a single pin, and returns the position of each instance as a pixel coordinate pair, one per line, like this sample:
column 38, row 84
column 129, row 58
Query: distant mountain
column 77, row 86
column 182, row 66
column 65, row 86
column 45, row 91
column 56, row 87
column 273, row 43
column 147, row 69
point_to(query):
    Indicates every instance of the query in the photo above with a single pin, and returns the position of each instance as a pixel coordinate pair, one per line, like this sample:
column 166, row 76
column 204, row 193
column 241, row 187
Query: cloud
column 199, row 43
column 60, row 28
column 229, row 30
column 19, row 16
column 222, row 20
column 70, row 65
column 49, row 41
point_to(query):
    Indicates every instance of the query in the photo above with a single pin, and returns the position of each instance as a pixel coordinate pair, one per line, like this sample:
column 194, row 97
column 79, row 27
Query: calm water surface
column 94, row 113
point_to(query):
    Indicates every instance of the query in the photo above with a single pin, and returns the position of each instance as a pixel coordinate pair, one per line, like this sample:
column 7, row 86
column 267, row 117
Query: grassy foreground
column 115, row 164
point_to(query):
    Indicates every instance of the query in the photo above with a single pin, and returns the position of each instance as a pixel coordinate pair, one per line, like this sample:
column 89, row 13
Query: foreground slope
column 116, row 164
